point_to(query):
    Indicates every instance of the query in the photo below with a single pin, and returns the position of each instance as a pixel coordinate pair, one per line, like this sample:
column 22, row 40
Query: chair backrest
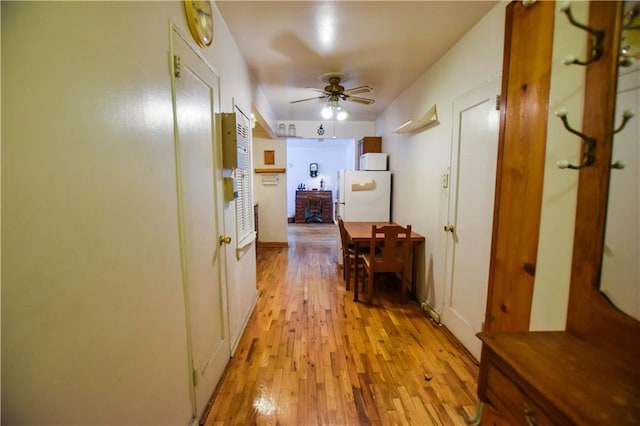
column 314, row 203
column 396, row 243
column 343, row 234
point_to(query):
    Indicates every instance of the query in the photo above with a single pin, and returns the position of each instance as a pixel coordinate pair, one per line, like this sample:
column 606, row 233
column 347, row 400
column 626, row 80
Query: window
column 244, row 209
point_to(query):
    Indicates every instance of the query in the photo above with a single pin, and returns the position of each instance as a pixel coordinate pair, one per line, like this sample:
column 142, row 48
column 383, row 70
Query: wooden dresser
column 327, row 205
column 549, row 378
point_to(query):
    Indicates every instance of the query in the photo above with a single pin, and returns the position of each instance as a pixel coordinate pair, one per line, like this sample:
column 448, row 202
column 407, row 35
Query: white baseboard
column 234, row 346
column 431, row 312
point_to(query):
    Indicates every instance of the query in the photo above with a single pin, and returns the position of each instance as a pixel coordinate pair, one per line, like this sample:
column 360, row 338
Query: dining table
column 359, row 234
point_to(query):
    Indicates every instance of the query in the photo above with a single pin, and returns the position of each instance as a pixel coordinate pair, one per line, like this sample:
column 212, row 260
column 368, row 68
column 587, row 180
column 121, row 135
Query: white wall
column 418, row 160
column 330, row 154
column 263, row 111
column 93, row 319
column 272, row 198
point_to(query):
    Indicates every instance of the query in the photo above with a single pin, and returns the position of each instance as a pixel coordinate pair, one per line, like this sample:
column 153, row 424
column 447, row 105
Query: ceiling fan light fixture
column 327, row 112
column 333, row 110
column 342, row 113
column 334, row 92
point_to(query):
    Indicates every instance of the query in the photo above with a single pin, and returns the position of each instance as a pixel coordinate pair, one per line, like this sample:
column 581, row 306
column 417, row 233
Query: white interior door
column 200, row 222
column 473, row 174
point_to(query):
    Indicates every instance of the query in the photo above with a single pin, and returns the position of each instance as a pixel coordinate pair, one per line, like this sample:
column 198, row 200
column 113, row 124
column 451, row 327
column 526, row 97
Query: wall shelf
column 273, row 170
column 430, row 118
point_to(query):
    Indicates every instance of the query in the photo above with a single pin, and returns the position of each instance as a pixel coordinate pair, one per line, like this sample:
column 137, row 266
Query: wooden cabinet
column 327, row 205
column 556, row 378
column 368, row 144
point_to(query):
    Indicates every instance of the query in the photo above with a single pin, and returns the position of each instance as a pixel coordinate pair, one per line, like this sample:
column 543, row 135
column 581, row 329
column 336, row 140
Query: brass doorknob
column 224, row 240
column 448, row 228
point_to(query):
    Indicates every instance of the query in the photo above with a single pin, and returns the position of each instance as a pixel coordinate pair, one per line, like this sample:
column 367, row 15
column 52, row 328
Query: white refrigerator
column 364, row 196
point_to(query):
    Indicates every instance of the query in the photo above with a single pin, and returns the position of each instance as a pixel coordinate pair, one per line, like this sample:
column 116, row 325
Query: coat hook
column 626, row 61
column 596, row 38
column 618, row 164
column 627, row 114
column 589, row 145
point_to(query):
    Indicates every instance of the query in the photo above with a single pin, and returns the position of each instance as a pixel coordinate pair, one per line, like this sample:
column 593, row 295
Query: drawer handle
column 530, row 416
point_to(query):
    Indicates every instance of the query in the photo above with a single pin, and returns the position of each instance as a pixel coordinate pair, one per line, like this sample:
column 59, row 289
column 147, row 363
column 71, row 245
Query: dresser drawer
column 512, row 402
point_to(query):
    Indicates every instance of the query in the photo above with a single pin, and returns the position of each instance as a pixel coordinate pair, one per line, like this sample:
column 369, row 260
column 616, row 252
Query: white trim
column 196, row 50
column 242, row 329
column 244, row 245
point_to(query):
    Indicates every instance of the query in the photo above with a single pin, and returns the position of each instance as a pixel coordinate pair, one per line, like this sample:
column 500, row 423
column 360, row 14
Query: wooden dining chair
column 349, row 254
column 394, row 257
column 313, row 210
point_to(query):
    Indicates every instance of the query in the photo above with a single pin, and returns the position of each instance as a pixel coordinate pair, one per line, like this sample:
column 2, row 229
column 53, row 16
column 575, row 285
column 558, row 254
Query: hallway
column 310, row 355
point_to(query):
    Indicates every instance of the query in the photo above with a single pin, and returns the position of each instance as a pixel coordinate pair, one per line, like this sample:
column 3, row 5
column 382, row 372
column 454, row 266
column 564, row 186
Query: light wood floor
column 310, row 355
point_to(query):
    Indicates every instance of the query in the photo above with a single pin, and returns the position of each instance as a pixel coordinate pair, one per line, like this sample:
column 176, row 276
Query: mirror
column 620, row 275
column 590, row 315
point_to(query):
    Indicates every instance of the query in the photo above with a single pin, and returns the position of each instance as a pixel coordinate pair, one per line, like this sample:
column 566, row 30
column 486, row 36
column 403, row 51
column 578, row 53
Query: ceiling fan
column 334, row 91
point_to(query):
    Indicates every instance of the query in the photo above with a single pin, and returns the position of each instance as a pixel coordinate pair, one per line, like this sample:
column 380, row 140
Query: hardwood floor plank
column 310, row 355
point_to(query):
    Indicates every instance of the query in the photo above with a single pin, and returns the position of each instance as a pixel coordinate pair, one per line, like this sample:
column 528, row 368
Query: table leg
column 356, row 284
column 414, row 270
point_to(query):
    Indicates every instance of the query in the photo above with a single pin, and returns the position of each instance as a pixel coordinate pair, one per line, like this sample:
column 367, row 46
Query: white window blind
column 244, row 211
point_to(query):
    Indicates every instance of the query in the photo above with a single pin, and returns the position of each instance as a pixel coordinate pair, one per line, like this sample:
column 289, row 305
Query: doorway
column 473, row 174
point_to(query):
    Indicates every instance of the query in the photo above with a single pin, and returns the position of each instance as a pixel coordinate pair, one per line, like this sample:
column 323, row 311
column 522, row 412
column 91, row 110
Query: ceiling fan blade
column 359, row 100
column 321, row 91
column 308, row 99
column 358, row 90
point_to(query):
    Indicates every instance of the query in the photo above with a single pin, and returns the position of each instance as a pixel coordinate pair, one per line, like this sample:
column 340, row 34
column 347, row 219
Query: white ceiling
column 383, row 44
